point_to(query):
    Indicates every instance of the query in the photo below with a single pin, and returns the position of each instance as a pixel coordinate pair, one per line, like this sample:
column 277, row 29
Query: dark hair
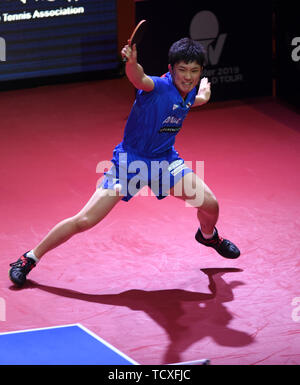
column 186, row 50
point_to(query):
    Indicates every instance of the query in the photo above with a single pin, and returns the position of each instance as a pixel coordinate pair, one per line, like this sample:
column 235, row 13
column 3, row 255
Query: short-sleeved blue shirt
column 156, row 118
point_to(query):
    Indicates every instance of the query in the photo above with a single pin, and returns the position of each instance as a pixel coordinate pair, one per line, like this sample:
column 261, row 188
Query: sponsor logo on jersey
column 171, row 124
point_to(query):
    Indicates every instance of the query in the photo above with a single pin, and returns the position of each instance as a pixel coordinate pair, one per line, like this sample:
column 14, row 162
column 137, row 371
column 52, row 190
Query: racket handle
column 125, row 58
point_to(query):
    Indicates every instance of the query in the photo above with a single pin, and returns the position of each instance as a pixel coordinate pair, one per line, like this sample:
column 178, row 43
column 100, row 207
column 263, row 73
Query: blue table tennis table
column 63, row 345
column 60, row 345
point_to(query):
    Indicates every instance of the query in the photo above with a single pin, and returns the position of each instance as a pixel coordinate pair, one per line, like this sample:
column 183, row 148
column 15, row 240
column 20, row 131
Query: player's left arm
column 203, row 94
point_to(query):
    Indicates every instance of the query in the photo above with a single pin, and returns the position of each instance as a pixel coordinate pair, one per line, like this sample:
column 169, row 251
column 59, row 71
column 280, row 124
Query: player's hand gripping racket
column 137, row 35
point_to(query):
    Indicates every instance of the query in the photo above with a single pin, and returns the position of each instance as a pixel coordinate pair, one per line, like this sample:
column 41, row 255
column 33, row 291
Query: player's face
column 185, row 76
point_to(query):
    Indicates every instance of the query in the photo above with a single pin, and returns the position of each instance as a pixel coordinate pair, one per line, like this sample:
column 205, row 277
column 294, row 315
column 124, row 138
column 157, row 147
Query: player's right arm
column 135, row 71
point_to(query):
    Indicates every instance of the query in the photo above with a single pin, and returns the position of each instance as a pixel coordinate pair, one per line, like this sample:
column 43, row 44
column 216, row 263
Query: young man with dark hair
column 147, row 152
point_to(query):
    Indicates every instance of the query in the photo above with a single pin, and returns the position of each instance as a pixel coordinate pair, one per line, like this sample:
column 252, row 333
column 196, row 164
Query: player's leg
column 99, row 205
column 196, row 193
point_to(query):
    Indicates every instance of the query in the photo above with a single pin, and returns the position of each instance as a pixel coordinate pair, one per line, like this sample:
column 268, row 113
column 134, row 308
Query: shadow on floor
column 187, row 317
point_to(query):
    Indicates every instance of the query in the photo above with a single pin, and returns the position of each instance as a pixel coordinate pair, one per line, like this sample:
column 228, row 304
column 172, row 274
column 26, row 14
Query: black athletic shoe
column 224, row 247
column 20, row 269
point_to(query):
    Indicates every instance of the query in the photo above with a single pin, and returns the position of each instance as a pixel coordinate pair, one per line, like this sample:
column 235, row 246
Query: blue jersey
column 154, row 121
column 156, row 118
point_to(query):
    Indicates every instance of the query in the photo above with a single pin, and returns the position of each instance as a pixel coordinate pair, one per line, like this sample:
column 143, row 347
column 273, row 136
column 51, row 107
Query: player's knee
column 215, row 204
column 194, row 190
column 82, row 223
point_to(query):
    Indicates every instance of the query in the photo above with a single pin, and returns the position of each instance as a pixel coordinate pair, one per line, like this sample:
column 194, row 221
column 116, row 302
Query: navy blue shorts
column 132, row 172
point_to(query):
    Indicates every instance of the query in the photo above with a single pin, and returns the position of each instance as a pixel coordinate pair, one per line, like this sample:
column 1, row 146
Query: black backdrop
column 237, row 35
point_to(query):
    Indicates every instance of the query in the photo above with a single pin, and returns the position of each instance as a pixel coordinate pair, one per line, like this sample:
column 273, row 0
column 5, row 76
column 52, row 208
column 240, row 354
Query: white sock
column 31, row 255
column 207, row 236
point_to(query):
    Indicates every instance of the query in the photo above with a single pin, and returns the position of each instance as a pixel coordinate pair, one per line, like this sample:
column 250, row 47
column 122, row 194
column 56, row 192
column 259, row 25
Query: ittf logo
column 2, row 49
column 204, row 28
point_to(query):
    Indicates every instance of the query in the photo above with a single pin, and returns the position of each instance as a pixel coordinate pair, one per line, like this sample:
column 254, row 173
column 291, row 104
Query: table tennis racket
column 137, row 34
